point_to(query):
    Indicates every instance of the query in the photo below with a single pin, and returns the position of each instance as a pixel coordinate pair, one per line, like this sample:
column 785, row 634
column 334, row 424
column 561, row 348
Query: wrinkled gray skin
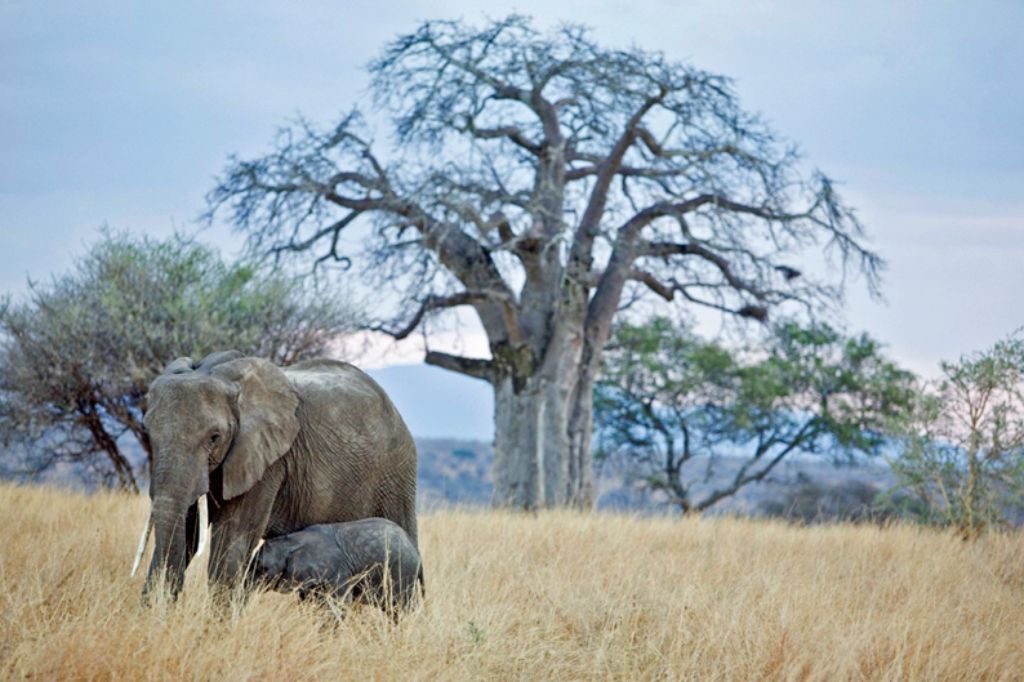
column 345, row 561
column 276, row 449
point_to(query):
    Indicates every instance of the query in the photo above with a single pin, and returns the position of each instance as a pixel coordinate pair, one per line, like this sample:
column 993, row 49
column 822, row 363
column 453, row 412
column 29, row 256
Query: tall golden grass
column 548, row 596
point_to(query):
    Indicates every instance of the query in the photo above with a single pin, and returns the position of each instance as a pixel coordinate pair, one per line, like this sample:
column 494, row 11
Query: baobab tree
column 543, row 181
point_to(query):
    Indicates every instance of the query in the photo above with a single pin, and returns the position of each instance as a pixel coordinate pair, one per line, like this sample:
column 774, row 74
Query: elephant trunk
column 204, row 534
column 179, row 518
column 170, row 553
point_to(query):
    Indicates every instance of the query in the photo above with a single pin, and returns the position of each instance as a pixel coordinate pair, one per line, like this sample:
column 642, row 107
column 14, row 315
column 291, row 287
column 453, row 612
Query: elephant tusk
column 256, row 549
column 204, row 525
column 143, row 539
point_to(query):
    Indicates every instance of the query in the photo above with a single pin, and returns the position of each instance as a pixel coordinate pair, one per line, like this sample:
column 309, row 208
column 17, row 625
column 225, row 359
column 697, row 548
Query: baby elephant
column 370, row 561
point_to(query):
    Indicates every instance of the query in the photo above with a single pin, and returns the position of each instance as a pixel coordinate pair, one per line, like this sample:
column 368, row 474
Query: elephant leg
column 238, row 527
column 400, row 510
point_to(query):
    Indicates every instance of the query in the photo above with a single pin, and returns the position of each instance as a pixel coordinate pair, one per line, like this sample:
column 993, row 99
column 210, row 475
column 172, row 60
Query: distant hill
column 458, row 472
column 454, row 472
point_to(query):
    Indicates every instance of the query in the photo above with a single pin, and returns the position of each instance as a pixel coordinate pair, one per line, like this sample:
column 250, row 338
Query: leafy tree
column 544, row 180
column 668, row 400
column 77, row 355
column 963, row 448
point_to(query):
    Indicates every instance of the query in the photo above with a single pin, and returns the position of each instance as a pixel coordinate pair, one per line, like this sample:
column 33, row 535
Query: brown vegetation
column 558, row 595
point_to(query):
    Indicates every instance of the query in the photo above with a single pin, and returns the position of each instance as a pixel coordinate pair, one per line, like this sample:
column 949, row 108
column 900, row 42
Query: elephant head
column 230, row 414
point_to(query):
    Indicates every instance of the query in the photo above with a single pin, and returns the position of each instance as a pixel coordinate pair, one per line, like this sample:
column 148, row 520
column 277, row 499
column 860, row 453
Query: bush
column 812, row 501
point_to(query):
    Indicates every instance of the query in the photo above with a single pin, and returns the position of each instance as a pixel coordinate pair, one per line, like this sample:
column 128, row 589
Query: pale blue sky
column 120, row 113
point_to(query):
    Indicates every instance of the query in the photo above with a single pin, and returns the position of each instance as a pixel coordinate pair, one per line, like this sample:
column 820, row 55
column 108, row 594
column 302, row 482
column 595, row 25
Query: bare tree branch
column 511, row 133
column 459, row 299
column 667, row 292
column 473, row 367
column 745, row 476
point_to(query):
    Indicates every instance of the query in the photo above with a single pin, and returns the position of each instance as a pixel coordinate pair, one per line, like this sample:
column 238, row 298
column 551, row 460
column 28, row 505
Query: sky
column 121, row 114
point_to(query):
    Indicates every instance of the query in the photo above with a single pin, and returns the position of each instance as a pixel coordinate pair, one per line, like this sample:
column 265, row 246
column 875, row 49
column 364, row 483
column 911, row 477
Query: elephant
column 274, row 450
column 369, row 561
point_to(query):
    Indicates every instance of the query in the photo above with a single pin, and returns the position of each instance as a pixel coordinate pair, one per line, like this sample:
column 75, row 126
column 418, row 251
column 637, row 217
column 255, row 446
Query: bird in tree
column 544, row 181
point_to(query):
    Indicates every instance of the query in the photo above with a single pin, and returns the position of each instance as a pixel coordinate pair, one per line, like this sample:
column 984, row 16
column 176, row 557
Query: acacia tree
column 78, row 354
column 695, row 422
column 963, row 447
column 541, row 180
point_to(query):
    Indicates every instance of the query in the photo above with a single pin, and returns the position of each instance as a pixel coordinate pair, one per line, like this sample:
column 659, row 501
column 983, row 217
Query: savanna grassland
column 548, row 596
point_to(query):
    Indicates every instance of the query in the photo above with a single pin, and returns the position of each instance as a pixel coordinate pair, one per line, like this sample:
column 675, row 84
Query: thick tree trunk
column 543, row 421
column 542, row 431
column 531, row 444
column 518, row 446
column 581, row 424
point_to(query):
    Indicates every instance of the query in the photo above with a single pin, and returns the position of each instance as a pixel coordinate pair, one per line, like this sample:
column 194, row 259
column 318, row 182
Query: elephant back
column 342, row 389
column 353, row 440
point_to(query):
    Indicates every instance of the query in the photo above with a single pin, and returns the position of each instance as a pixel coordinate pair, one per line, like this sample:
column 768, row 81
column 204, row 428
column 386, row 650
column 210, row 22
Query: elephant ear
column 217, row 358
column 179, row 366
column 267, row 424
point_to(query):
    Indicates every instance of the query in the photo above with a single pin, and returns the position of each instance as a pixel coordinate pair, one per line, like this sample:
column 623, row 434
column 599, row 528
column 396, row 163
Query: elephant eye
column 214, row 438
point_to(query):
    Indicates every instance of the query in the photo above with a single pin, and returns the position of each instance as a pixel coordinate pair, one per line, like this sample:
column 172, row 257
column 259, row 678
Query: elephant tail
column 423, row 585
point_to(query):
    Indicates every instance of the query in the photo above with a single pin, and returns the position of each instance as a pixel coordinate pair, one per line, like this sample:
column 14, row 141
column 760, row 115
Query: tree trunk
column 543, row 421
column 534, row 420
column 531, row 444
column 122, row 467
column 581, row 425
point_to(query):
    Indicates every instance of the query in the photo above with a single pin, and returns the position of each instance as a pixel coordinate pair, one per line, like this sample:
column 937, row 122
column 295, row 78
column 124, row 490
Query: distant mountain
column 437, row 403
column 458, row 472
column 454, row 472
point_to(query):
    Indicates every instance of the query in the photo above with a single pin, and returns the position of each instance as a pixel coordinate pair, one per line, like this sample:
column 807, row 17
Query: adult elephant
column 275, row 450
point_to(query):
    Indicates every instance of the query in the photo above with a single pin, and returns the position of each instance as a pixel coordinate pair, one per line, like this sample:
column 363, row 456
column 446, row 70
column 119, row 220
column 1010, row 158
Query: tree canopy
column 545, row 181
column 77, row 355
column 672, row 408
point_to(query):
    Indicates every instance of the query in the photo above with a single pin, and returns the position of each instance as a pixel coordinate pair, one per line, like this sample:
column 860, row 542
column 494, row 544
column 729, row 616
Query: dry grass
column 552, row 596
